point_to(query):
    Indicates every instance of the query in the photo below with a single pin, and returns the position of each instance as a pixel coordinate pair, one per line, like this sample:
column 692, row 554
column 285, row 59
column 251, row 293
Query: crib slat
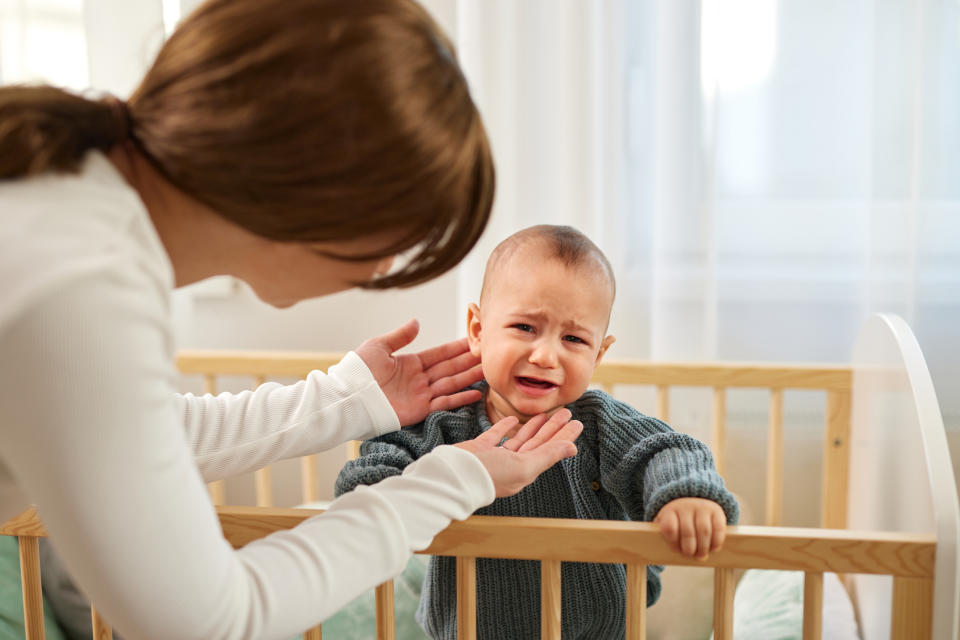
column 607, row 387
column 353, row 450
column 774, row 511
column 723, row 604
column 812, row 605
column 636, row 602
column 263, row 482
column 218, row 491
column 912, row 615
column 101, row 628
column 30, row 583
column 550, row 599
column 663, row 402
column 210, row 383
column 386, row 626
column 308, row 479
column 836, row 461
column 466, row 598
column 313, row 634
column 264, row 487
column 719, row 436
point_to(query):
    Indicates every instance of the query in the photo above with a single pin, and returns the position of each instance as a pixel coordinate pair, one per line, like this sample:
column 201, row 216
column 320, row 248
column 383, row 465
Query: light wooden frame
column 909, row 558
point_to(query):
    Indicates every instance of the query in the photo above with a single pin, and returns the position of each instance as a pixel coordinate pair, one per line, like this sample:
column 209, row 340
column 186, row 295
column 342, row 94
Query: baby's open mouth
column 535, row 382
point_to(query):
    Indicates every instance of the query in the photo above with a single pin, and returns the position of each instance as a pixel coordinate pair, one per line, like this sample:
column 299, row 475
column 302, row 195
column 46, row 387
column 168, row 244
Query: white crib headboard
column 901, row 476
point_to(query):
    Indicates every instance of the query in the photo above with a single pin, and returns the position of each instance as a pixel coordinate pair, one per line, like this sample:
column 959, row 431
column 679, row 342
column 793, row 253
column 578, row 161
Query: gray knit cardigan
column 627, row 467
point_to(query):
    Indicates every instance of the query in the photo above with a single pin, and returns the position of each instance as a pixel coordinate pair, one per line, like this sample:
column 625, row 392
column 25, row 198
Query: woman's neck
column 197, row 240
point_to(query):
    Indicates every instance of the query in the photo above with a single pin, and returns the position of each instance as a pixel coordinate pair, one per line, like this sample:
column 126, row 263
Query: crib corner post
column 912, row 611
column 30, row 583
column 101, row 628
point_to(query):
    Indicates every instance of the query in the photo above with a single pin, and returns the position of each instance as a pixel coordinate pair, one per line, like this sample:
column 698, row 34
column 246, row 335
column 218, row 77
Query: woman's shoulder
column 95, row 197
column 61, row 228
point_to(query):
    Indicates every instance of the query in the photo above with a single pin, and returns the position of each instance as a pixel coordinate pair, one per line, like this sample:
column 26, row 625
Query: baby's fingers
column 704, row 525
column 719, row 529
column 688, row 533
column 669, row 529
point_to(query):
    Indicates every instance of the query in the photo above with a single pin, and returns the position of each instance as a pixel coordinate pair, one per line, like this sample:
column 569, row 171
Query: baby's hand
column 693, row 526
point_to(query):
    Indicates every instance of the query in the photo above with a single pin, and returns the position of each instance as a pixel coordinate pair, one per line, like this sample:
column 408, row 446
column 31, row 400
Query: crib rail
column 909, row 558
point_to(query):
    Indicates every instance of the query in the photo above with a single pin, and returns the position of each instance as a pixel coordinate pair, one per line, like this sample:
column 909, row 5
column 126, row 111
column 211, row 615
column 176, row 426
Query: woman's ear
column 609, row 340
column 473, row 328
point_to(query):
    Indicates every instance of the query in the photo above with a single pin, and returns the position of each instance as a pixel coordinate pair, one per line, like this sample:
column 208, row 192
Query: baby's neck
column 497, row 411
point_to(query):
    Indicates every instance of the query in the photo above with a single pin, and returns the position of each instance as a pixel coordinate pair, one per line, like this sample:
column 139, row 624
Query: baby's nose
column 543, row 355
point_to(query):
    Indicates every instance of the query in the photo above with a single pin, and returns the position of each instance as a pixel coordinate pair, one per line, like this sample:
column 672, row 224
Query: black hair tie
column 121, row 118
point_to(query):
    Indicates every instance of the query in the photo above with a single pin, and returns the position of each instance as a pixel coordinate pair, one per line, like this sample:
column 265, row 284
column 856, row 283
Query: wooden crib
column 859, row 537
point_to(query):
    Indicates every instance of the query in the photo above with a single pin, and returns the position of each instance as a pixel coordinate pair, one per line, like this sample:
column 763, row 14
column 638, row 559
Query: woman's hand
column 693, row 526
column 533, row 449
column 419, row 383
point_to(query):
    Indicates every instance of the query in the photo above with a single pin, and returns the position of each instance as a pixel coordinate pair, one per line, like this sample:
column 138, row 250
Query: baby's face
column 539, row 334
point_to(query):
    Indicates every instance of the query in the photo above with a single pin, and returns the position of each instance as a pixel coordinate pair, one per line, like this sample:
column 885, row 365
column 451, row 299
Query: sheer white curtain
column 763, row 174
column 105, row 44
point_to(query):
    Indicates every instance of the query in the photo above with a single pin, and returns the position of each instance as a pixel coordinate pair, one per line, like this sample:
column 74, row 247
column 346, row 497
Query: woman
column 298, row 145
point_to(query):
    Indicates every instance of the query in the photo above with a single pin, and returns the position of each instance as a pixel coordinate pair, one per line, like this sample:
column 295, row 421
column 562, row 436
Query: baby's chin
column 497, row 411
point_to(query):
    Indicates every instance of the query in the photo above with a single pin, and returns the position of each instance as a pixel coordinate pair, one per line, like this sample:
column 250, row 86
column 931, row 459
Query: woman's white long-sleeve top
column 93, row 432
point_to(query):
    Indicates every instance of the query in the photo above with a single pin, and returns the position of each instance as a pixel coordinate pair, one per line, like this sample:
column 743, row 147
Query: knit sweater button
column 595, row 485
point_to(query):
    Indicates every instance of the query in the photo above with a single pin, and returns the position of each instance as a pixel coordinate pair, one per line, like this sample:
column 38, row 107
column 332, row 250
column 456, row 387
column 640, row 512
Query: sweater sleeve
column 232, row 434
column 646, row 464
column 386, row 456
column 89, row 431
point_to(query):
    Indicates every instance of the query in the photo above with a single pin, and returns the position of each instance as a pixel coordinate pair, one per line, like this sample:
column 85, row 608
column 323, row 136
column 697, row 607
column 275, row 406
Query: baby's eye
column 522, row 327
column 574, row 339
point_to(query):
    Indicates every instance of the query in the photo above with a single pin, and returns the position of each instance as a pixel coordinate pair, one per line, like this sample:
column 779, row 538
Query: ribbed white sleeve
column 232, row 434
column 91, row 430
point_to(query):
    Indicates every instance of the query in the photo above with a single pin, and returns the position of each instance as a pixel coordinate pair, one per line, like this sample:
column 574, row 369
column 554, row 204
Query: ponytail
column 43, row 128
column 312, row 121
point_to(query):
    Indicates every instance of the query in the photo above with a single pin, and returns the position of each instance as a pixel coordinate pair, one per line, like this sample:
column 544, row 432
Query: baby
column 540, row 330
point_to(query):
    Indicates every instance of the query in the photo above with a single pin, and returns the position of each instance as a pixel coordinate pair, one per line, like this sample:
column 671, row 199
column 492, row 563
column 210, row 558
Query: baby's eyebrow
column 535, row 315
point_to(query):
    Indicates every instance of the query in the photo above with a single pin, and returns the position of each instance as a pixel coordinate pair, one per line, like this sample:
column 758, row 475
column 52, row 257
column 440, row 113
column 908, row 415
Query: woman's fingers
column 498, row 432
column 453, row 383
column 529, row 428
column 558, row 426
column 431, row 357
column 567, row 432
column 451, row 366
column 400, row 337
column 453, row 401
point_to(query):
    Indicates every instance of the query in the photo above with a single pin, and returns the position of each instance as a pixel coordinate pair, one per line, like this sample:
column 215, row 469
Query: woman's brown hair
column 299, row 120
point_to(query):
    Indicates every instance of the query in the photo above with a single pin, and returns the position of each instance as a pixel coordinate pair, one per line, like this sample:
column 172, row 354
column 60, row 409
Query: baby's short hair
column 567, row 244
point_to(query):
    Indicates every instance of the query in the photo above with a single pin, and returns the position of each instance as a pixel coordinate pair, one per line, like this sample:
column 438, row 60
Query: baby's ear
column 609, row 340
column 473, row 328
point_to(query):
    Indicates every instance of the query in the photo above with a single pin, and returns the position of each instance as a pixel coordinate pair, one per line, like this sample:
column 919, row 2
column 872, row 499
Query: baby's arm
column 383, row 457
column 663, row 476
column 693, row 526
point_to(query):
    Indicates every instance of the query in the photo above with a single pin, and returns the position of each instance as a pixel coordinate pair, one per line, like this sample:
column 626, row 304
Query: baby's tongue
column 543, row 384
